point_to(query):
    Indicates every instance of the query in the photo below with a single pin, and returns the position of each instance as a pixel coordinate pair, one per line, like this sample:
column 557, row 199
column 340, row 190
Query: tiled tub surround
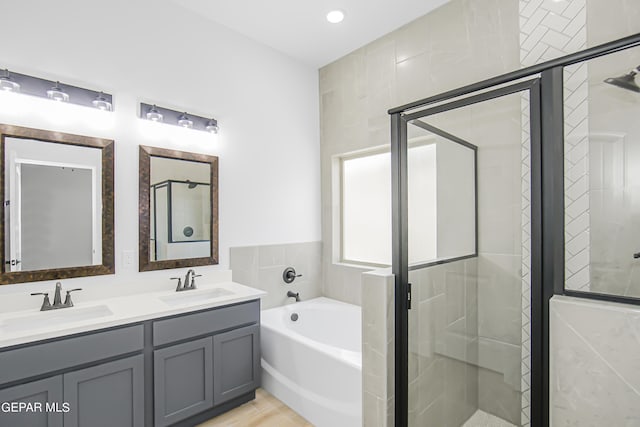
column 312, row 360
column 595, row 363
column 261, row 267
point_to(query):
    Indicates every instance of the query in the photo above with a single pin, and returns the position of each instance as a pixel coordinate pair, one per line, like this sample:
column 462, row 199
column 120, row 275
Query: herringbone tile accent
column 550, row 29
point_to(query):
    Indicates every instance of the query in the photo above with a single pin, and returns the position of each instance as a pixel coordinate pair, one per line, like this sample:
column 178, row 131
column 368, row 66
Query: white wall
column 266, row 104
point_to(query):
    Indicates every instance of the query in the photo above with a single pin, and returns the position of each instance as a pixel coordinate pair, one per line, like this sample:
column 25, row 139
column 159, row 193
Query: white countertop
column 32, row 325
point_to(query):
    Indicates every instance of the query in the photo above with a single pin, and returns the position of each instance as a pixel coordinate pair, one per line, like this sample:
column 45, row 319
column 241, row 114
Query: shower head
column 192, row 185
column 627, row 81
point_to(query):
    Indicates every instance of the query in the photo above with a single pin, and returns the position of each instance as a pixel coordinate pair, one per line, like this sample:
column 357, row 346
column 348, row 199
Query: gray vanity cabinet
column 38, row 393
column 236, row 363
column 189, row 367
column 106, row 395
column 204, row 360
column 183, row 382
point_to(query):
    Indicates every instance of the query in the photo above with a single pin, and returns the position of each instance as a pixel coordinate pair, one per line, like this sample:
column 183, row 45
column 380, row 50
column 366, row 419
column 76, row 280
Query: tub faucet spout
column 296, row 295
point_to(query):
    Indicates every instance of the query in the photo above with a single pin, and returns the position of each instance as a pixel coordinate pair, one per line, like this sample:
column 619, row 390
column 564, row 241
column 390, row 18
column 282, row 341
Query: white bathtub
column 314, row 364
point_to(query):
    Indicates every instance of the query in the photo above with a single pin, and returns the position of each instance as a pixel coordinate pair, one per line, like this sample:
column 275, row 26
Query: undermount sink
column 194, row 296
column 53, row 318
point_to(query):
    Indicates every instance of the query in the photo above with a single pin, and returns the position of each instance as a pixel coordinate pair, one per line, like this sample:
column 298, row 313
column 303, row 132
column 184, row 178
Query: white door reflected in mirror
column 54, row 205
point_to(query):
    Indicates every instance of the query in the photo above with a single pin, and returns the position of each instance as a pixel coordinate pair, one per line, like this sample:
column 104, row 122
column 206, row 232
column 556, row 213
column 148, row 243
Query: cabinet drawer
column 203, row 323
column 51, row 356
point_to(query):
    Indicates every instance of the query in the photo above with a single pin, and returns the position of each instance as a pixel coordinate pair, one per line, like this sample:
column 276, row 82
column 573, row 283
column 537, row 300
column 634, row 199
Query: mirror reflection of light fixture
column 626, row 81
column 154, row 115
column 212, row 126
column 8, row 84
column 102, row 103
column 57, row 93
column 177, row 118
column 185, row 121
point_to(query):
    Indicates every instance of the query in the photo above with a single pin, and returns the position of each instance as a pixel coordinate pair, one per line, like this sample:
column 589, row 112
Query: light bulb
column 154, row 115
column 212, row 126
column 57, row 93
column 101, row 103
column 185, row 121
column 8, row 84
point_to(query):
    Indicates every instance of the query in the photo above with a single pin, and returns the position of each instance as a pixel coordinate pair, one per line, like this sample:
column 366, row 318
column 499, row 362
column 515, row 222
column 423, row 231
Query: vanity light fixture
column 185, row 121
column 177, row 118
column 54, row 90
column 8, row 84
column 101, row 103
column 154, row 115
column 57, row 93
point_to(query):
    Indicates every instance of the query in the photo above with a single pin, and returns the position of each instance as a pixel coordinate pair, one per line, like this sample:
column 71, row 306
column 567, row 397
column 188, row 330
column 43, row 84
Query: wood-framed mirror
column 57, row 213
column 178, row 209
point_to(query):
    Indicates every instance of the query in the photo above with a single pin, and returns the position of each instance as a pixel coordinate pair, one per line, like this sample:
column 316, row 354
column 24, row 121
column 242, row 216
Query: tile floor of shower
column 482, row 419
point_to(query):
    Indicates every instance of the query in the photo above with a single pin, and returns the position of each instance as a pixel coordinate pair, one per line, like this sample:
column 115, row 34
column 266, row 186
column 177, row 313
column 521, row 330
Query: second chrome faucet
column 189, row 281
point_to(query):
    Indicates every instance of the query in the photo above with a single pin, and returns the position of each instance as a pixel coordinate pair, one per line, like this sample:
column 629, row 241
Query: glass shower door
column 468, row 258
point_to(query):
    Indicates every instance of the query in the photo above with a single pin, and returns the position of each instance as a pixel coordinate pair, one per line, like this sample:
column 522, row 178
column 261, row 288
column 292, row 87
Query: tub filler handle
column 289, row 275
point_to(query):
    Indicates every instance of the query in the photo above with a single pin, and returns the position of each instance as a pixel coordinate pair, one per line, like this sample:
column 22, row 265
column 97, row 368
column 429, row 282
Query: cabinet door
column 183, row 381
column 107, row 395
column 236, row 359
column 38, row 394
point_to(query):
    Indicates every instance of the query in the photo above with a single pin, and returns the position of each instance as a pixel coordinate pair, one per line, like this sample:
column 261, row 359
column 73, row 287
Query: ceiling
column 299, row 28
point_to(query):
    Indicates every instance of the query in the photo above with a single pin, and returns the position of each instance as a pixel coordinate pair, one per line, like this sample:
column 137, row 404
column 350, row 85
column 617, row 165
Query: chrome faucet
column 57, row 299
column 188, row 285
column 296, row 295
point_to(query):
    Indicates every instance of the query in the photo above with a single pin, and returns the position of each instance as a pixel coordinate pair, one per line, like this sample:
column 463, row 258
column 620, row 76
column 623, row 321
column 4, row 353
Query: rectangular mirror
column 178, row 209
column 58, row 205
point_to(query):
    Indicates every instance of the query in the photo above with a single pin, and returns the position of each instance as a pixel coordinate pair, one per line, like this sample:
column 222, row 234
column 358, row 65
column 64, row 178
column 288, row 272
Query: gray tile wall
column 459, row 43
column 378, row 348
column 443, row 344
column 262, row 267
column 595, row 367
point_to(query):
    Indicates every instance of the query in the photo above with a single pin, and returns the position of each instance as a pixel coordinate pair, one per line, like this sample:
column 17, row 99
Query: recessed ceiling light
column 335, row 16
